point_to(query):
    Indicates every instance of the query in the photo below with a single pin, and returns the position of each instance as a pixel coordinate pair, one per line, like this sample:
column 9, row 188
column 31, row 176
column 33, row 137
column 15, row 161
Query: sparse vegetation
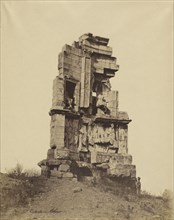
column 19, row 186
column 60, row 198
column 168, row 198
column 18, row 172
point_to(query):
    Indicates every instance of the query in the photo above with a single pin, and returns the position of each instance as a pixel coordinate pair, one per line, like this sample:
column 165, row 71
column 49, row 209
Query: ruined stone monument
column 87, row 129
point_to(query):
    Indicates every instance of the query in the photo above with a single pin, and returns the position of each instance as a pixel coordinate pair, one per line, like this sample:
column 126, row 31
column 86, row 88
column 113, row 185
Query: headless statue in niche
column 69, row 101
column 102, row 105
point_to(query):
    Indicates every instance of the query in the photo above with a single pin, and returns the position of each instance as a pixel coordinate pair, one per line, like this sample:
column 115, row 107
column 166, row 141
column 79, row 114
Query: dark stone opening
column 69, row 94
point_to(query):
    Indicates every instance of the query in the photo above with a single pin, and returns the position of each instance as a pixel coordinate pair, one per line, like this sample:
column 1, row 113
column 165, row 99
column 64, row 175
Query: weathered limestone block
column 53, row 162
column 93, row 156
column 121, row 170
column 85, row 82
column 103, row 157
column 56, row 173
column 112, row 102
column 112, row 158
column 71, row 134
column 103, row 166
column 94, row 39
column 120, row 159
column 58, row 93
column 106, row 50
column 74, row 155
column 127, row 159
column 71, row 62
column 123, row 115
column 101, row 64
column 64, row 168
column 57, row 131
column 67, row 175
column 73, row 50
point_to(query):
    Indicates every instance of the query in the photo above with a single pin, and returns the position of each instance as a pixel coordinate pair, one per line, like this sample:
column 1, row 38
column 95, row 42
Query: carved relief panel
column 123, row 135
column 71, row 134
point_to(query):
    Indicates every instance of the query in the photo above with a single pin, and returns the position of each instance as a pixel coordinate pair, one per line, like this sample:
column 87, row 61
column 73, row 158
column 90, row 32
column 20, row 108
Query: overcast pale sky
column 141, row 35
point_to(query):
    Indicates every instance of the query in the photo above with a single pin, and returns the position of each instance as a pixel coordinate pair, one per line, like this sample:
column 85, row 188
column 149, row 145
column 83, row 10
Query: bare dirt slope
column 68, row 199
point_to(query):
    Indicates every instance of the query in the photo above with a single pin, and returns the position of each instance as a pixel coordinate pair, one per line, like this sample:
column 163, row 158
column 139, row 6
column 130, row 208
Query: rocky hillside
column 60, row 199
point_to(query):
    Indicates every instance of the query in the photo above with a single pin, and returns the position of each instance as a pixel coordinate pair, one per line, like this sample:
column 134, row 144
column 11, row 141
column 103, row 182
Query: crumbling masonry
column 89, row 135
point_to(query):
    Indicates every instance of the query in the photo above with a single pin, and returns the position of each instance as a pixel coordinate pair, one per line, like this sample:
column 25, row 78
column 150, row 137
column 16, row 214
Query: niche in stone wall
column 69, row 95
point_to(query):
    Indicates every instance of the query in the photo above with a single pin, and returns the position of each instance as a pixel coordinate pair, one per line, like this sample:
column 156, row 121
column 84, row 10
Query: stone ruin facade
column 89, row 135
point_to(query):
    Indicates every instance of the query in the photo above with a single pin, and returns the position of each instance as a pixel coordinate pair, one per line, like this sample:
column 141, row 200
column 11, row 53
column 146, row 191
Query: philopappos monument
column 88, row 132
